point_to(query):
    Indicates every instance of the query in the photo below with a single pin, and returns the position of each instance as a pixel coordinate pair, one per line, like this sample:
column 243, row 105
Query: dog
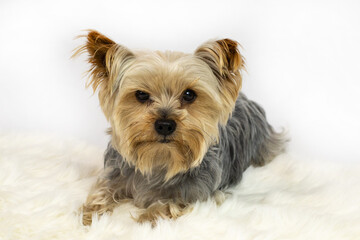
column 181, row 130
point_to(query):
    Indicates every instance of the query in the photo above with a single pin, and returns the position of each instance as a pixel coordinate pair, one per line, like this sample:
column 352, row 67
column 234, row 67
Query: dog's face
column 164, row 107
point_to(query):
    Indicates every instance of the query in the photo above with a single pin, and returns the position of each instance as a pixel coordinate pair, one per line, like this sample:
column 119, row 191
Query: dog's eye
column 142, row 96
column 189, row 96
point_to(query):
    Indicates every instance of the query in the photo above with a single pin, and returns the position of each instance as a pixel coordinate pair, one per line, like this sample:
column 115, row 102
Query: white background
column 303, row 62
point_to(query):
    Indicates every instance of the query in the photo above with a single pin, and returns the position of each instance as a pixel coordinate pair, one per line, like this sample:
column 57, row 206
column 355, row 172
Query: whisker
column 130, row 125
column 202, row 130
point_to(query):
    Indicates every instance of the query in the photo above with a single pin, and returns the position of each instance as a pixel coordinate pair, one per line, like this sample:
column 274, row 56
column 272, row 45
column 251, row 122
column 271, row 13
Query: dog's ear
column 226, row 62
column 97, row 45
column 108, row 62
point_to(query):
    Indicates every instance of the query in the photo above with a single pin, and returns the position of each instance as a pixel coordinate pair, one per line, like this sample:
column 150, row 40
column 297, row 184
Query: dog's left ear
column 226, row 62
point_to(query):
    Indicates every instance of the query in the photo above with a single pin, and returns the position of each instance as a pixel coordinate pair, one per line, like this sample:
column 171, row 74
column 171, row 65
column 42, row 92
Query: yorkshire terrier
column 181, row 130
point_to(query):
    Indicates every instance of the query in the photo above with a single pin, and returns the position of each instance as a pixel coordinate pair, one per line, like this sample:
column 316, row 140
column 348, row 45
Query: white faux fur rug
column 43, row 182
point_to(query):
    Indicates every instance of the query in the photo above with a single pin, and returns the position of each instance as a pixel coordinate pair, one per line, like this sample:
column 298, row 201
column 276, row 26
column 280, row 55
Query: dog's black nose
column 165, row 126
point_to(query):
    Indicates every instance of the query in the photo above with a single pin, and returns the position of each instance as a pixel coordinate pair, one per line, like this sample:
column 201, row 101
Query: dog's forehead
column 168, row 71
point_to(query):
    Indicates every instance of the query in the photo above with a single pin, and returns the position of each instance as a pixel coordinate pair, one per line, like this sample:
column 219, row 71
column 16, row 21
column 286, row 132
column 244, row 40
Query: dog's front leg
column 99, row 201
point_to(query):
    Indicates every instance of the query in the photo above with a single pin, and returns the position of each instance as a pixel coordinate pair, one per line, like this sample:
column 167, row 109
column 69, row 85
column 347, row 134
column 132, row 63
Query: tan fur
column 213, row 72
column 163, row 209
column 99, row 201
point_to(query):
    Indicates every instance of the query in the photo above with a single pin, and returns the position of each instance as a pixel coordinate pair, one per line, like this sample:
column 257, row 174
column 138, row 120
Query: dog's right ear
column 108, row 62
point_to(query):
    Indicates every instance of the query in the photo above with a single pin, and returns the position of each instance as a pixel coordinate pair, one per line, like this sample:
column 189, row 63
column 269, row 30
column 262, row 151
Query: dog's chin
column 158, row 146
column 163, row 153
column 165, row 140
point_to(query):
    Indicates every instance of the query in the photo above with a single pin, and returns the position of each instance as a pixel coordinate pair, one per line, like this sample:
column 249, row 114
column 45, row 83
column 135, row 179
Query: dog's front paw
column 162, row 209
column 87, row 213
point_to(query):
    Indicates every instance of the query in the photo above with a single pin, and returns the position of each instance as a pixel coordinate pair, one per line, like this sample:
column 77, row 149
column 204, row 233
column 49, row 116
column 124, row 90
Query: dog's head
column 164, row 107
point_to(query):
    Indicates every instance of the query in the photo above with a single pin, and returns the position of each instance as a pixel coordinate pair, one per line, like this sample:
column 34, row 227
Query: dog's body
column 246, row 139
column 181, row 131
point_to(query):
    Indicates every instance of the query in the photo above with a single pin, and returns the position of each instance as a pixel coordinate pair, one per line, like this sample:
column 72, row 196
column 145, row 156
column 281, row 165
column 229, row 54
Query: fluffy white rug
column 43, row 182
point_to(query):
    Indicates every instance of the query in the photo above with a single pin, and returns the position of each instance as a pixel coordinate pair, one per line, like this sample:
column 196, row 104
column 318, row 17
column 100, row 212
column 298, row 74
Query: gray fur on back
column 246, row 140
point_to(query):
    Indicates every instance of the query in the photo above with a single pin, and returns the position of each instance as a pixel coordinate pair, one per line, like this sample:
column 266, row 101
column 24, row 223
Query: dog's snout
column 165, row 126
